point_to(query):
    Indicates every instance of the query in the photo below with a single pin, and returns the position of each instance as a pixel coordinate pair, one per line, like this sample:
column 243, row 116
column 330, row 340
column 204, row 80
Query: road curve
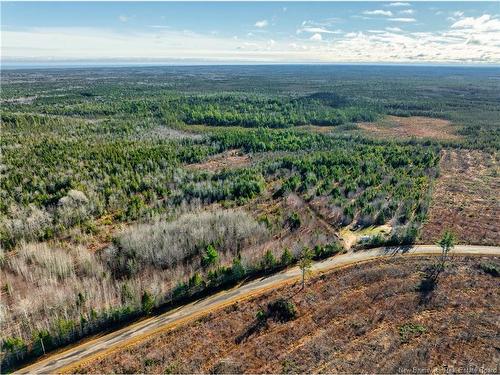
column 67, row 360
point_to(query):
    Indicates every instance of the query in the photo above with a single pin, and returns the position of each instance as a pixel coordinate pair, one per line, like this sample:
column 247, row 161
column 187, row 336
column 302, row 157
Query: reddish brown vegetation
column 366, row 318
column 393, row 127
column 465, row 199
column 228, row 159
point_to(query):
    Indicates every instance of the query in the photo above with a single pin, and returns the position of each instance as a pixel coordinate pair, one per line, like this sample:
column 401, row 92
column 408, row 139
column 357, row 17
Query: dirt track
column 101, row 346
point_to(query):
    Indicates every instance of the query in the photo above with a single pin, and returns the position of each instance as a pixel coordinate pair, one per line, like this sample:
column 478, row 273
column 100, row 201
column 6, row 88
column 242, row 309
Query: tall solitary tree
column 305, row 264
column 447, row 243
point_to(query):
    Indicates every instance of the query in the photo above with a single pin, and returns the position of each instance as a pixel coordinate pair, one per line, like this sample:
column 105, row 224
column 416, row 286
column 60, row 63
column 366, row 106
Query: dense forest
column 109, row 209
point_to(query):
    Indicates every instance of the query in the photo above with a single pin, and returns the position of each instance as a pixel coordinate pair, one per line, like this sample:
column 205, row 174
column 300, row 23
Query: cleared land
column 366, row 318
column 228, row 159
column 147, row 185
column 276, row 214
column 465, row 198
column 394, row 127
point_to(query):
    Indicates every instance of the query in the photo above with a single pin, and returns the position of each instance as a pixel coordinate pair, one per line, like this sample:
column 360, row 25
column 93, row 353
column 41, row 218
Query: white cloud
column 378, row 12
column 407, row 11
column 471, row 39
column 317, row 30
column 96, row 43
column 485, row 23
column 415, row 47
column 351, row 35
column 323, row 23
column 398, row 4
column 159, row 27
column 123, row 18
column 316, row 37
column 458, row 13
column 261, row 24
column 402, row 19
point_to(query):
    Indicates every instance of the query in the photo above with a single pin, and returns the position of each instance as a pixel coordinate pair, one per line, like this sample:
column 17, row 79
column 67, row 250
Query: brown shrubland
column 363, row 319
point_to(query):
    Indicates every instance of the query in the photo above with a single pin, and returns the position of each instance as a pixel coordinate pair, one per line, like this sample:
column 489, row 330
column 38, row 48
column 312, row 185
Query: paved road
column 68, row 359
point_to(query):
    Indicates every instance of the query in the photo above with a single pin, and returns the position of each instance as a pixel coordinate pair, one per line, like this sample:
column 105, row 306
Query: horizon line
column 126, row 64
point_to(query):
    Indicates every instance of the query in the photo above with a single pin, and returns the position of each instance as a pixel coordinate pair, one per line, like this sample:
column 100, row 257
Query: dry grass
column 393, row 127
column 353, row 320
column 465, row 198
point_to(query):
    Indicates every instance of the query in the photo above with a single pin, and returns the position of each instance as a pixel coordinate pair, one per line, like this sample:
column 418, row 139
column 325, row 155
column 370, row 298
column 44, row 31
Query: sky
column 252, row 32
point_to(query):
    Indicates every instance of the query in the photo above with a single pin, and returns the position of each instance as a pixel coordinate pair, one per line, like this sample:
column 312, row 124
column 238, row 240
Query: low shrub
column 210, row 257
column 13, row 344
column 409, row 330
column 268, row 261
column 294, row 221
column 286, row 257
column 147, row 302
column 321, row 252
column 281, row 310
column 490, row 268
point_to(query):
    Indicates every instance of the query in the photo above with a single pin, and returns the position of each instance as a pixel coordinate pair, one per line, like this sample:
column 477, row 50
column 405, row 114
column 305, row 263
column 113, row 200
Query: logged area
column 366, row 318
column 228, row 159
column 125, row 191
column 392, row 127
column 466, row 198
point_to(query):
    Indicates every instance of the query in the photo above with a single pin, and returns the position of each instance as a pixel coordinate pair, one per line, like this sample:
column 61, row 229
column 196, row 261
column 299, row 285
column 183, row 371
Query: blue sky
column 393, row 32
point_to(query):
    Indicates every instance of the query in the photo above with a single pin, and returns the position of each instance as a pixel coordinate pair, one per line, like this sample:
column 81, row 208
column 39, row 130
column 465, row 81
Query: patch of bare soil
column 368, row 318
column 228, row 159
column 466, row 198
column 393, row 127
